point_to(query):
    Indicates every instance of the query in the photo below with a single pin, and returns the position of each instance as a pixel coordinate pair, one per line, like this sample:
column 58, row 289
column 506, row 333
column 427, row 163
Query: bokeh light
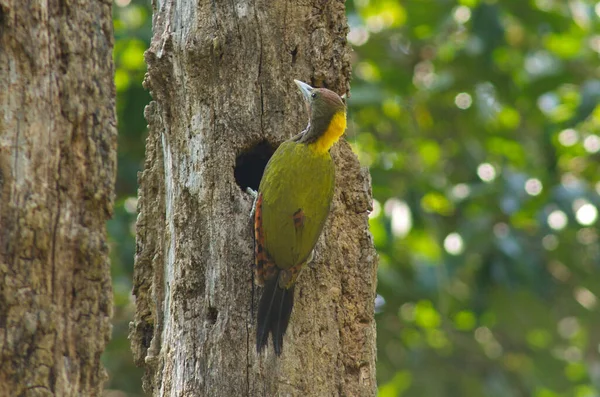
column 591, row 143
column 462, row 14
column 568, row 137
column 557, row 220
column 533, row 186
column 486, row 172
column 463, row 100
column 586, row 214
column 453, row 244
column 461, row 191
column 400, row 214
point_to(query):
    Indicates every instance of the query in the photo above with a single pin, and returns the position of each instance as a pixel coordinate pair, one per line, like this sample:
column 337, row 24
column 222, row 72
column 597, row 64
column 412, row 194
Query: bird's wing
column 296, row 192
column 264, row 267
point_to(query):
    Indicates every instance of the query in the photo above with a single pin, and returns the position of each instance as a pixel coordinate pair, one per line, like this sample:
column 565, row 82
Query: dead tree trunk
column 57, row 169
column 221, row 75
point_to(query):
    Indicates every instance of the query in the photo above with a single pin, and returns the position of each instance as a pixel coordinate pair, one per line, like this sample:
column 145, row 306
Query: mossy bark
column 57, row 172
column 221, row 76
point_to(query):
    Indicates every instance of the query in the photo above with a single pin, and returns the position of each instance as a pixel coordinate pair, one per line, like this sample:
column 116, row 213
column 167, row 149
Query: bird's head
column 327, row 116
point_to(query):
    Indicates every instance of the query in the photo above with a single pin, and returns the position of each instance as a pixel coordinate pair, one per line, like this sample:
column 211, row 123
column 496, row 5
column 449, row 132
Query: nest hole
column 251, row 163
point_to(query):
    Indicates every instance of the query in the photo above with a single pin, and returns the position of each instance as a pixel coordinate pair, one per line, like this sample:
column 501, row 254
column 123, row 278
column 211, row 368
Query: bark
column 221, row 76
column 57, row 171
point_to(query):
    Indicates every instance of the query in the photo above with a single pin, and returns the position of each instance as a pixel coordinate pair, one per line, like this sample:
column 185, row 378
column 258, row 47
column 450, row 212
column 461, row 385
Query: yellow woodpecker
column 292, row 205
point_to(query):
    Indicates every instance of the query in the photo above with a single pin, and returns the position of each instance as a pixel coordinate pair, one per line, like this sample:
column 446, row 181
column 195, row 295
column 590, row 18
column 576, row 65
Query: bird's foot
column 254, row 194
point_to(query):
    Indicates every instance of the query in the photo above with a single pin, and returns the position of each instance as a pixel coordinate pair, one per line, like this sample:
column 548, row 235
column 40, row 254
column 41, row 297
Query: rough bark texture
column 221, row 75
column 57, row 171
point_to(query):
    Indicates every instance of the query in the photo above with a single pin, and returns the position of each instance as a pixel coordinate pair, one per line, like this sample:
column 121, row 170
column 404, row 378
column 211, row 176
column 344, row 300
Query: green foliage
column 480, row 123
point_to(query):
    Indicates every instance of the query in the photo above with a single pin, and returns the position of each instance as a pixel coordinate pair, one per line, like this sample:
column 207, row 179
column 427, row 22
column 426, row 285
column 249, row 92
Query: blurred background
column 479, row 121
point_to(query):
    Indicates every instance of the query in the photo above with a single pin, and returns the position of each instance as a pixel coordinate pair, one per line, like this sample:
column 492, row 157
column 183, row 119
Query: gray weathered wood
column 221, row 75
column 57, row 173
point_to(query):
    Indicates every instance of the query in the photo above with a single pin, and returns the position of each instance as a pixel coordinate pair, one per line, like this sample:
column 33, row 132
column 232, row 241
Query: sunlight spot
column 586, row 214
column 585, row 297
column 557, row 220
column 122, row 3
column 375, row 23
column 486, row 172
column 548, row 102
column 461, row 191
column 533, row 186
column 493, row 350
column 594, row 43
column 379, row 303
column 131, row 204
column 591, row 143
column 579, row 11
column 544, row 5
column 483, row 335
column 463, row 101
column 453, row 244
column 358, row 36
column 399, row 213
column 424, row 74
column 540, row 63
column 376, row 209
column 462, row 14
column 568, row 137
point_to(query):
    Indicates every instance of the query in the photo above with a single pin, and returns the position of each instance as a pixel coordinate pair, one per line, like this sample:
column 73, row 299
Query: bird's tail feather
column 274, row 311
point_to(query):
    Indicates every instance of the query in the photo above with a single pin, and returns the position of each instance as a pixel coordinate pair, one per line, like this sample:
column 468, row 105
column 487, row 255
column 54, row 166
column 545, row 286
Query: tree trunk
column 57, row 171
column 221, row 75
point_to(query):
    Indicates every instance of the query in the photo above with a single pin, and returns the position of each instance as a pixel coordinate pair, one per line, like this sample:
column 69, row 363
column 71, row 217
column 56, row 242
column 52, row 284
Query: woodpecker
column 291, row 207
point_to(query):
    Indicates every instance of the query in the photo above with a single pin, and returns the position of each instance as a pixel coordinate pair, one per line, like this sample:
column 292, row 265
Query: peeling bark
column 57, row 172
column 221, row 76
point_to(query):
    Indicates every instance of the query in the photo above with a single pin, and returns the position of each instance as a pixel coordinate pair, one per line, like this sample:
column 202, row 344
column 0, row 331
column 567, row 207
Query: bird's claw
column 254, row 194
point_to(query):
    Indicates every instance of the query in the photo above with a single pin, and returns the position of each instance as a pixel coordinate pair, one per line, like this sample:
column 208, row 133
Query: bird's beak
column 305, row 89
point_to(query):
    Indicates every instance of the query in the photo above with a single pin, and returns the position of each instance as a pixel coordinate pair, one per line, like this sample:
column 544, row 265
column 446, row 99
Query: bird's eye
column 313, row 95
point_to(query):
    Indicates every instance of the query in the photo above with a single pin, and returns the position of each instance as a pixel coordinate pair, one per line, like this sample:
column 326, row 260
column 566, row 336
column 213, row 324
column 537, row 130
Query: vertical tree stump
column 221, row 75
column 57, row 175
